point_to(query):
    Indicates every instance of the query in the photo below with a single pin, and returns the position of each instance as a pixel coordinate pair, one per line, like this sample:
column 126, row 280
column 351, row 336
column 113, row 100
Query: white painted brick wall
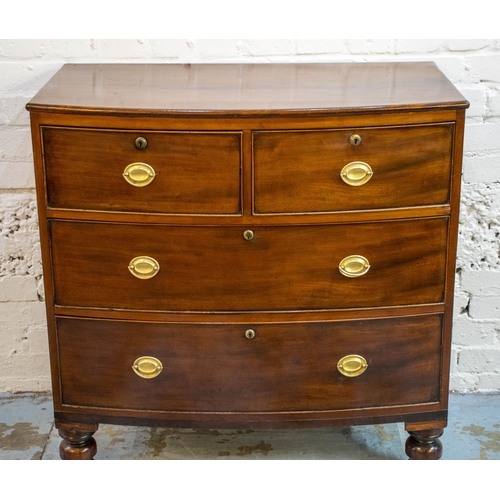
column 472, row 65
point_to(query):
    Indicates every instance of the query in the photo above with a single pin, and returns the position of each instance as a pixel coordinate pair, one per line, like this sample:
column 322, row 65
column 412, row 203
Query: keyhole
column 355, row 140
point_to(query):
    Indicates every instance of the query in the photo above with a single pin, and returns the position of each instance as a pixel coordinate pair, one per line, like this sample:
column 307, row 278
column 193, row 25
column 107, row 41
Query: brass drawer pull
column 147, row 367
column 141, row 143
column 352, row 365
column 355, row 140
column 144, row 267
column 139, row 174
column 250, row 334
column 248, row 235
column 354, row 266
column 356, row 173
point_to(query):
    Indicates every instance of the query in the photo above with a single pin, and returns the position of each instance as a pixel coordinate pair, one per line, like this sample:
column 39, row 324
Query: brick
column 26, row 77
column 77, row 50
column 15, row 144
column 467, row 332
column 182, row 50
column 489, row 382
column 18, row 289
column 460, row 303
column 418, row 46
column 477, row 97
column 378, row 46
column 268, row 47
column 23, row 384
column 467, row 44
column 220, row 49
column 493, row 102
column 17, row 175
column 485, row 307
column 321, row 47
column 22, row 49
column 14, row 110
column 124, row 49
column 484, row 67
column 482, row 137
column 37, row 339
column 481, row 282
column 479, row 360
column 481, row 169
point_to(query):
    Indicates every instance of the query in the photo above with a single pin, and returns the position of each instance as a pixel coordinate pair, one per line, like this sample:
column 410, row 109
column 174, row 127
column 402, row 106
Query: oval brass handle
column 352, row 365
column 354, row 266
column 139, row 174
column 248, row 235
column 144, row 267
column 147, row 367
column 141, row 143
column 356, row 173
column 250, row 334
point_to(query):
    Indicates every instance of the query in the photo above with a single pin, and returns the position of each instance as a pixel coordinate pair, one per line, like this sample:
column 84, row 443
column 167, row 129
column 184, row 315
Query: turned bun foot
column 77, row 443
column 424, row 444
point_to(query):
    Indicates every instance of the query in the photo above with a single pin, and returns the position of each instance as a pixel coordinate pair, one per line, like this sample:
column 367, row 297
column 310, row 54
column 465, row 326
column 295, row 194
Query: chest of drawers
column 252, row 246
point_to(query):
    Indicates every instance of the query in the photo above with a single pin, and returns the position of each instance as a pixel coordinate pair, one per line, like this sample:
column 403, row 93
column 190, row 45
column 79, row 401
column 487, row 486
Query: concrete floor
column 27, row 433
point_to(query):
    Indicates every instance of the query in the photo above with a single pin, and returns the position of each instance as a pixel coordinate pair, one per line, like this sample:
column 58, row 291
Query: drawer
column 300, row 171
column 216, row 269
column 190, row 172
column 214, row 367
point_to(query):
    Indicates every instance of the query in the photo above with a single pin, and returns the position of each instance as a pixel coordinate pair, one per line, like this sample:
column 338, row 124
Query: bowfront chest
column 249, row 246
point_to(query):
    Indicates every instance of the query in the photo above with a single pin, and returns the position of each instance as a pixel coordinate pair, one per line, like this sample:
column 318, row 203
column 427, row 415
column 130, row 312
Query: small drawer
column 261, row 268
column 217, row 368
column 352, row 169
column 143, row 171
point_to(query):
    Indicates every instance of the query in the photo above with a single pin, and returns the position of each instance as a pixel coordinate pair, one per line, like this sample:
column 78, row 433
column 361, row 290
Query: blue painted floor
column 27, row 433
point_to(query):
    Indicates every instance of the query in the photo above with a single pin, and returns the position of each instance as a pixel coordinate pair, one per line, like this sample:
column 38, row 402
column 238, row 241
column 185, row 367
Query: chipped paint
column 21, row 436
column 261, row 447
column 223, row 453
column 492, row 443
column 157, row 441
column 382, row 433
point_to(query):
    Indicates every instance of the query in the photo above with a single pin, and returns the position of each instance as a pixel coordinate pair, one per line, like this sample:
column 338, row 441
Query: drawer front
column 217, row 269
column 301, row 171
column 192, row 173
column 214, row 367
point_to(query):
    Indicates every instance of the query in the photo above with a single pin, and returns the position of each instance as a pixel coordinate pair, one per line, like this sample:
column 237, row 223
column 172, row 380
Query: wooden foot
column 77, row 441
column 424, row 444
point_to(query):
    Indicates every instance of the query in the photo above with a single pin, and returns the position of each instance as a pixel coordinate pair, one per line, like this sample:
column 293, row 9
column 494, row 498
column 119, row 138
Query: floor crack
column 46, row 441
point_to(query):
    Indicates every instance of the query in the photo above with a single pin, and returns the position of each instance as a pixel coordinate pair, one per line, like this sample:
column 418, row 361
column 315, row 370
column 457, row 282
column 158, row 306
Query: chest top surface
column 246, row 89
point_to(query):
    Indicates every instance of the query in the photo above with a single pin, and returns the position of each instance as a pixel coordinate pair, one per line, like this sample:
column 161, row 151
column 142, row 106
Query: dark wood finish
column 246, row 89
column 424, row 444
column 284, row 368
column 265, row 135
column 196, row 173
column 77, row 441
column 299, row 171
column 283, row 268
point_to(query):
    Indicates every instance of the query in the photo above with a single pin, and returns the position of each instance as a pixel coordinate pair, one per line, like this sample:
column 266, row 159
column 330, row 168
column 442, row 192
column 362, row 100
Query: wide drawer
column 188, row 172
column 214, row 367
column 216, row 269
column 301, row 171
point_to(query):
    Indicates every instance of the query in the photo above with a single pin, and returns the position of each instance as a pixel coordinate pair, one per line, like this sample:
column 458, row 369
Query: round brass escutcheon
column 141, row 143
column 356, row 173
column 352, row 365
column 144, row 267
column 354, row 266
column 250, row 334
column 248, row 235
column 147, row 367
column 139, row 174
column 355, row 140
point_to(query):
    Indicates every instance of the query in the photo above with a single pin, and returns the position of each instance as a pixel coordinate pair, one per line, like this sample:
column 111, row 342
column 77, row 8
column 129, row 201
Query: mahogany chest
column 250, row 246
